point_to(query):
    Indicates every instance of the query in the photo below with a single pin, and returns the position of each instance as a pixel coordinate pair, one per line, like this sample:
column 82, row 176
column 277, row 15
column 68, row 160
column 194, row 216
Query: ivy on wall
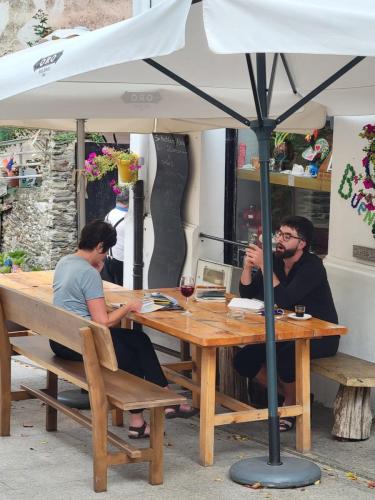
column 360, row 188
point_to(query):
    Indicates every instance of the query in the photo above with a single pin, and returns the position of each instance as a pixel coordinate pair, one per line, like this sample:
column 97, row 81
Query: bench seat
column 109, row 387
column 352, row 409
column 124, row 391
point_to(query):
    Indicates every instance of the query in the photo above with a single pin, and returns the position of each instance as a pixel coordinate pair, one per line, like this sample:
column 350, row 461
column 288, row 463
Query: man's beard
column 284, row 253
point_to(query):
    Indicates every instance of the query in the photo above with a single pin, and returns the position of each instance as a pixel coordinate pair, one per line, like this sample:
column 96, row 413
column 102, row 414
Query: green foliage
column 41, row 29
column 70, row 137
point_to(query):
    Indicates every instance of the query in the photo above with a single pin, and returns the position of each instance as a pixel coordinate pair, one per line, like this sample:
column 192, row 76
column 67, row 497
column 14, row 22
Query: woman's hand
column 134, row 305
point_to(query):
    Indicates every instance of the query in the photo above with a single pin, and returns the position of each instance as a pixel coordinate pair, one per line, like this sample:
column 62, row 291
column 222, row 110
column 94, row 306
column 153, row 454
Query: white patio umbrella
column 110, row 74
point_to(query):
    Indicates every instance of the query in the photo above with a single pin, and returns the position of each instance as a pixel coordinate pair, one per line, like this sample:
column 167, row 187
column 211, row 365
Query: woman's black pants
column 135, row 354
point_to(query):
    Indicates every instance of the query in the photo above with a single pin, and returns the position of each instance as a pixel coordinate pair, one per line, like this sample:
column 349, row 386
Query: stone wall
column 43, row 220
column 17, row 23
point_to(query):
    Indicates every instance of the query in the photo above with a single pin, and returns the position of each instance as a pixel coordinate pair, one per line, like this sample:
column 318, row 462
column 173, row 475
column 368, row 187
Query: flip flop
column 178, row 413
column 286, row 424
column 140, row 432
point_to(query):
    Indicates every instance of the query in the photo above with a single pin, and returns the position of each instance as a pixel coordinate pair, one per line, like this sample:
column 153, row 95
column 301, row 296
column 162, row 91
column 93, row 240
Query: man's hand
column 254, row 256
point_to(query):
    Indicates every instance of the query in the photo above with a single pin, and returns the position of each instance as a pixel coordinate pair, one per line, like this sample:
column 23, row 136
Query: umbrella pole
column 271, row 471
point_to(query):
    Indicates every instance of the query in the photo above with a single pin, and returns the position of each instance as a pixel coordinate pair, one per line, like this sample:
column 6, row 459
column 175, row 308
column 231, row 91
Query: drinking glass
column 299, row 311
column 187, row 285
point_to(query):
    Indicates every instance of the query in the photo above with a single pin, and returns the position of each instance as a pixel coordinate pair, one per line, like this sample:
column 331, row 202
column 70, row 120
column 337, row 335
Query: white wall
column 352, row 281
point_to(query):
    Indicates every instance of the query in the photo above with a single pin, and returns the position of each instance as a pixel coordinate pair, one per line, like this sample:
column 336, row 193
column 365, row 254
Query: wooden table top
column 209, row 325
column 22, row 280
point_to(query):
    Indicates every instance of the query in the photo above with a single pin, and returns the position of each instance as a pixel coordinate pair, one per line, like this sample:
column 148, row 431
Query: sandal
column 286, row 424
column 139, row 432
column 177, row 412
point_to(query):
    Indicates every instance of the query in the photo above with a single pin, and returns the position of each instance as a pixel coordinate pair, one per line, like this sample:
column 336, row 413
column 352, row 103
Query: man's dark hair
column 97, row 232
column 303, row 226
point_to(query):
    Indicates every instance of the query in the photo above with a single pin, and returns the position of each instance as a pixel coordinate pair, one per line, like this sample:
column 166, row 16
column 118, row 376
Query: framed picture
column 213, row 273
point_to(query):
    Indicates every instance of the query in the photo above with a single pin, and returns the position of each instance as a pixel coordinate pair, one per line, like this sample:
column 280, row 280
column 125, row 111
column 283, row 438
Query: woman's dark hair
column 303, row 226
column 97, row 232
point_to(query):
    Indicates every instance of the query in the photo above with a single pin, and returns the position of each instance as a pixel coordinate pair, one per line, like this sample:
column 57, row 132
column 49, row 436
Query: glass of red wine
column 187, row 285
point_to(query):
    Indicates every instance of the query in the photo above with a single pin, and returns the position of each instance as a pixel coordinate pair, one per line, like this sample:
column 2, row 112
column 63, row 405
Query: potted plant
column 126, row 162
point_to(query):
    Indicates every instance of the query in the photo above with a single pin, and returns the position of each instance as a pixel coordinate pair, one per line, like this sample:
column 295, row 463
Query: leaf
column 351, row 476
column 256, row 486
column 218, row 479
column 240, row 437
column 317, row 482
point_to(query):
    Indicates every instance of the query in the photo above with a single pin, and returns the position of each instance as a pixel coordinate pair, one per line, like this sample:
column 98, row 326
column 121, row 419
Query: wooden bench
column 108, row 387
column 352, row 410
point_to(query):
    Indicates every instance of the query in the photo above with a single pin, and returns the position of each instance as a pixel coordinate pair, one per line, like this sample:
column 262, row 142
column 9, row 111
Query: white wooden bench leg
column 352, row 413
column 156, row 469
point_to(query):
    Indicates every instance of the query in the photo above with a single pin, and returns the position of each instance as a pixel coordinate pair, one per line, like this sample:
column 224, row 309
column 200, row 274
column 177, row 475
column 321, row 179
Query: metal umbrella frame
column 271, row 471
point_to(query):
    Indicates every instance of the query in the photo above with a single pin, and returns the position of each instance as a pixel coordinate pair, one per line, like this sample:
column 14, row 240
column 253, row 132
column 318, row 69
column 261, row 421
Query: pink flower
column 355, row 178
column 91, row 157
column 112, row 182
column 368, row 183
column 116, row 190
column 370, row 129
column 370, row 207
column 365, row 161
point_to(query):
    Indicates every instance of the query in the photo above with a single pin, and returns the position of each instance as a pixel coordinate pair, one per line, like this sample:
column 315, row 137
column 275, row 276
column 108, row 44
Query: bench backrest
column 55, row 323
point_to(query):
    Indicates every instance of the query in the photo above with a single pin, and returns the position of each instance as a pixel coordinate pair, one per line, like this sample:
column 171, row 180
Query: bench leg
column 156, row 469
column 352, row 413
column 117, row 417
column 5, row 394
column 99, row 409
column 51, row 413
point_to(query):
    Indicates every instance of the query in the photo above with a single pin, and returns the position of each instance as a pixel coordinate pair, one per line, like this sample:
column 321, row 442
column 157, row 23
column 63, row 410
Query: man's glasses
column 286, row 236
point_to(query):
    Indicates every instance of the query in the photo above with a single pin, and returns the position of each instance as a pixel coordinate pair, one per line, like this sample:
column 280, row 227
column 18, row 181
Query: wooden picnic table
column 208, row 329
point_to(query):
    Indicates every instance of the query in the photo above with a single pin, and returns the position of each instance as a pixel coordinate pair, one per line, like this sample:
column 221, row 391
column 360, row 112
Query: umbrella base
column 75, row 399
column 292, row 473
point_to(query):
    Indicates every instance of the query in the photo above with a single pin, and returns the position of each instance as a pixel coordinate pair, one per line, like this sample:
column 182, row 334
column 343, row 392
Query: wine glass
column 187, row 285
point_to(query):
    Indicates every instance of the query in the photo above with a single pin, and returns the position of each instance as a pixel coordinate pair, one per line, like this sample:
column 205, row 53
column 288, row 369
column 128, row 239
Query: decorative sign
column 360, row 188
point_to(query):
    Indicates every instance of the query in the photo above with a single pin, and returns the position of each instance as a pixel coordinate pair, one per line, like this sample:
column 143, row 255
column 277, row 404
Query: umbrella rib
column 272, row 80
column 197, row 91
column 288, row 73
column 320, row 88
column 254, row 88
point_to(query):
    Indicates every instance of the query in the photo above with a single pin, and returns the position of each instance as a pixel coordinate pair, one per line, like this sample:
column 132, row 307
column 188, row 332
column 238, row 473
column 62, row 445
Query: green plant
column 41, row 29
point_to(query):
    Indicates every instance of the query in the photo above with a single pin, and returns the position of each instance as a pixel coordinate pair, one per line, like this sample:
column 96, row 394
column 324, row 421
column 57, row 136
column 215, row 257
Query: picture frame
column 214, row 274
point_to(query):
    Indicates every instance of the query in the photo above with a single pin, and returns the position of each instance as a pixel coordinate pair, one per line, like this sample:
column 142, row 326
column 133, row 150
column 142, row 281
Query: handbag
column 108, row 272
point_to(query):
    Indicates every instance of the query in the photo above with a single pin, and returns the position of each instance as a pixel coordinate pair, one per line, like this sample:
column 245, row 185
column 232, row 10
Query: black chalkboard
column 100, row 197
column 166, row 200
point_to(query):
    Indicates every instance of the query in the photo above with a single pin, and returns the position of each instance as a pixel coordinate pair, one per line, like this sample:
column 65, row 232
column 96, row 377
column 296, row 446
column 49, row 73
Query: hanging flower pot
column 127, row 172
column 126, row 163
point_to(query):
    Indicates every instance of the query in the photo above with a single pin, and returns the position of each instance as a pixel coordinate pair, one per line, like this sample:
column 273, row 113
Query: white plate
column 305, row 316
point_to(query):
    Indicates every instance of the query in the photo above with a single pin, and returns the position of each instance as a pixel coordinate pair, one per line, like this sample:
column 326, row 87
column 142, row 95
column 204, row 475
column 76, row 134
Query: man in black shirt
column 299, row 278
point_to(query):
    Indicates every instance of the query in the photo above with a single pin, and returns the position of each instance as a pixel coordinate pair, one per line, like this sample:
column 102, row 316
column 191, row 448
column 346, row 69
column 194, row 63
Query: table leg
column 207, row 407
column 196, row 356
column 303, row 430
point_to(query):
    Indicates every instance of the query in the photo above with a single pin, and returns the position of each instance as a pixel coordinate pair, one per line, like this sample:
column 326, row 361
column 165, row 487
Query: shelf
column 314, row 184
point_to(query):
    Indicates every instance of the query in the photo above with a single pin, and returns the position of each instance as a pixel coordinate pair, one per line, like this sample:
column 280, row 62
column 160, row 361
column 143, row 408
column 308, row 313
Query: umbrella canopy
column 101, row 76
column 110, row 74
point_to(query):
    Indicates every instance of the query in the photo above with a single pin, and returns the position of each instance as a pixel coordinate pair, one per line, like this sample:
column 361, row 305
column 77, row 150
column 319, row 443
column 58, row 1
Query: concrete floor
column 35, row 464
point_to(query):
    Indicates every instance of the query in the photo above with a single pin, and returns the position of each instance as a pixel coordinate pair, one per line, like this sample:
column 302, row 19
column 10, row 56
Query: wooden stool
column 352, row 410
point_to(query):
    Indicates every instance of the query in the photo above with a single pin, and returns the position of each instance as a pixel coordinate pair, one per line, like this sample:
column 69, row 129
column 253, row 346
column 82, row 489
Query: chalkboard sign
column 166, row 200
column 100, row 197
